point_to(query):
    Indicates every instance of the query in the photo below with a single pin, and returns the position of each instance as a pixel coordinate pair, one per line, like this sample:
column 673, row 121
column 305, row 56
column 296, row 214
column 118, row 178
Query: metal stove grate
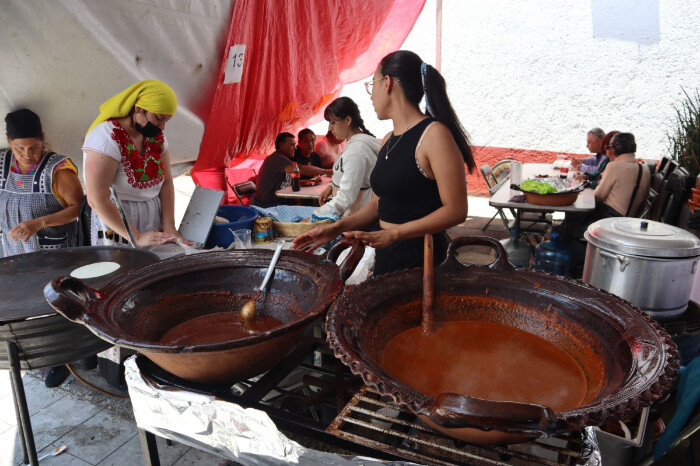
column 374, row 421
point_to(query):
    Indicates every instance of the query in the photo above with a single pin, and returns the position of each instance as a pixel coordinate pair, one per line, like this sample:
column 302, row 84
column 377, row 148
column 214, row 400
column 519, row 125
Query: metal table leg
column 25, row 456
column 149, row 449
column 26, row 436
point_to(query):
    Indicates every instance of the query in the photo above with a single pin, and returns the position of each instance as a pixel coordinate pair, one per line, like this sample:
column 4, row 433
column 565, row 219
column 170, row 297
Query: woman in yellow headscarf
column 125, row 147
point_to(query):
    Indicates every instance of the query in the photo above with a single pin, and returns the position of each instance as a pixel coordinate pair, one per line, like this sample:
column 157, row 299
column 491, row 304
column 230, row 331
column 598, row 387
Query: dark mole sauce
column 217, row 327
column 486, row 360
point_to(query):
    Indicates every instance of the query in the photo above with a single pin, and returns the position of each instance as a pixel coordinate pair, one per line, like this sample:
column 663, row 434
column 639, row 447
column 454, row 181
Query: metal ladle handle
column 275, row 257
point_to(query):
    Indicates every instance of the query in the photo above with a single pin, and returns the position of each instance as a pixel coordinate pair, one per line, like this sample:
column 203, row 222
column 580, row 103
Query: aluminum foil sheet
column 590, row 451
column 245, row 435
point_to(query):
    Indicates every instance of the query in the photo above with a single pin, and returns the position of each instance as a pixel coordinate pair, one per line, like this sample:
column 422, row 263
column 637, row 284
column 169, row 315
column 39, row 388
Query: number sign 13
column 234, row 64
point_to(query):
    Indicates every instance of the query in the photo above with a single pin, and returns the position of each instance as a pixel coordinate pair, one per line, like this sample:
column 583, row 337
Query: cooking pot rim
column 589, row 414
column 94, row 311
column 617, row 235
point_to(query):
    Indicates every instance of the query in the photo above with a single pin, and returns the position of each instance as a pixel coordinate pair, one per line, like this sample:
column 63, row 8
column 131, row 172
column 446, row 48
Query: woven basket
column 294, row 229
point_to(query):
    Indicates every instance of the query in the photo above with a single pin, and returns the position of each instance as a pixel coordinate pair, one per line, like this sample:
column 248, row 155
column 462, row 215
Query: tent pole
column 438, row 35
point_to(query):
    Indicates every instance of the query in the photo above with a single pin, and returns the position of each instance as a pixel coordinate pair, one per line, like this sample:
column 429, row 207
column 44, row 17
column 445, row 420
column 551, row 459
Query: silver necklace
column 389, row 149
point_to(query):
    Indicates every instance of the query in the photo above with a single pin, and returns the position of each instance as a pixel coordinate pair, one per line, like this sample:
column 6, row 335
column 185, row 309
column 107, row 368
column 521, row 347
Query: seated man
column 274, row 172
column 595, row 177
column 594, row 140
column 622, row 178
column 621, row 192
column 304, row 153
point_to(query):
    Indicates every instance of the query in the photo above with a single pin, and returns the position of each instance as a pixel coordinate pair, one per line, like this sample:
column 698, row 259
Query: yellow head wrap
column 151, row 95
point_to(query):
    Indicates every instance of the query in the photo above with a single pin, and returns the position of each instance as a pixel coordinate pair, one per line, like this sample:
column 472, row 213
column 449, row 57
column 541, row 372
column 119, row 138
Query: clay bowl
column 558, row 199
column 626, row 360
column 138, row 309
column 553, row 199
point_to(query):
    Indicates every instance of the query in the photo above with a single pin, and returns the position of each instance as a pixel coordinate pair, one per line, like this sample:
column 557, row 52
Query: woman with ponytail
column 418, row 180
column 350, row 190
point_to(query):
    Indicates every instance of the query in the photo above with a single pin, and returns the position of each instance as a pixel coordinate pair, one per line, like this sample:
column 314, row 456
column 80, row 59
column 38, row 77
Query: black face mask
column 149, row 131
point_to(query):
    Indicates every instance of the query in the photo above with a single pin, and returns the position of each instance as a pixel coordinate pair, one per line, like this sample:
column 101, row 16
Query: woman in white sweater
column 349, row 189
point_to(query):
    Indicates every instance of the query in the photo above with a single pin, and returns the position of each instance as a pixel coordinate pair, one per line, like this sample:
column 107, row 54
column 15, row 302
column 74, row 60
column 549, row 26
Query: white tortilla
column 96, row 269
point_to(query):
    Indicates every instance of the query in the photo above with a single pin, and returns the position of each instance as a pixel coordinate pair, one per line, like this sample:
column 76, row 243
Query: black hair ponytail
column 344, row 107
column 417, row 79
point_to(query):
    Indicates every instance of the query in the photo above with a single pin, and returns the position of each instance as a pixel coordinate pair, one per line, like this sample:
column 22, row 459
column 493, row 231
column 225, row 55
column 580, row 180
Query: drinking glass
column 242, row 239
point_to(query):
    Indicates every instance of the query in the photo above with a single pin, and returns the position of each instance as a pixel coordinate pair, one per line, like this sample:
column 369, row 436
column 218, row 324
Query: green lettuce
column 537, row 187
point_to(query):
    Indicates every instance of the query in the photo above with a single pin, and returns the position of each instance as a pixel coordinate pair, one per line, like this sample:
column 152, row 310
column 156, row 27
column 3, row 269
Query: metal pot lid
column 642, row 238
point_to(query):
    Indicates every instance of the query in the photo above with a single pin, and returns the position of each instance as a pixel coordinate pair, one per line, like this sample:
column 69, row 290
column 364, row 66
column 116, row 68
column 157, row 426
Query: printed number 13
column 238, row 60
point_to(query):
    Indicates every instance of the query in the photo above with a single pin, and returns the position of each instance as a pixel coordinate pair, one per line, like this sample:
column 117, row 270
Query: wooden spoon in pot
column 428, row 285
column 249, row 312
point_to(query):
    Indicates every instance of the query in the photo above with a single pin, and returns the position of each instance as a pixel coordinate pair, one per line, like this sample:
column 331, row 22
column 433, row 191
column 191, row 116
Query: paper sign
column 234, row 64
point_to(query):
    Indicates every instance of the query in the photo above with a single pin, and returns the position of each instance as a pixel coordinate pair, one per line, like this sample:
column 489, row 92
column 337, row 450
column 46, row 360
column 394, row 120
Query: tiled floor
column 96, row 429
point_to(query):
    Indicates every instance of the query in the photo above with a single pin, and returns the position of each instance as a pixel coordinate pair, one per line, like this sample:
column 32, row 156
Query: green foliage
column 684, row 135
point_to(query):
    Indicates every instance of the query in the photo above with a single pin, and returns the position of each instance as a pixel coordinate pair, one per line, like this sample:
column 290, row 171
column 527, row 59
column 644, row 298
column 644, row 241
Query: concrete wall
column 537, row 74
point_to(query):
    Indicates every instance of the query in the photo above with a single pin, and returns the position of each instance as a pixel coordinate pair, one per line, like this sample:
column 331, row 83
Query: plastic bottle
column 296, row 174
column 519, row 252
column 553, row 256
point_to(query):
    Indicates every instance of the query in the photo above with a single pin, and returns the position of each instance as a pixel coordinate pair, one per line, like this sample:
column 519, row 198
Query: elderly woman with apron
column 125, row 147
column 40, row 196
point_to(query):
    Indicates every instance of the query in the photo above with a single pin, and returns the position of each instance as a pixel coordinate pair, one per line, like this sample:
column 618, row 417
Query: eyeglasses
column 26, row 149
column 370, row 84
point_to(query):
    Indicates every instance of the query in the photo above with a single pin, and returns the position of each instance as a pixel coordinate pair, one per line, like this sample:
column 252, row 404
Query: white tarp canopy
column 63, row 58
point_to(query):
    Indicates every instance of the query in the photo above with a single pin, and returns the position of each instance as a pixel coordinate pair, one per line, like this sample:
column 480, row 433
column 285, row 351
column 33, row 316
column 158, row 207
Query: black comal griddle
column 32, row 334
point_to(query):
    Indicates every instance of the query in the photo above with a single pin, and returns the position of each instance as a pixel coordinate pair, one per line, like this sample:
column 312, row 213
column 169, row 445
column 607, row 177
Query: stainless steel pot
column 650, row 264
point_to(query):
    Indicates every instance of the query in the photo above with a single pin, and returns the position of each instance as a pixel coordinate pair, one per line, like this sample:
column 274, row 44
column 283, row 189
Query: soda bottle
column 295, row 177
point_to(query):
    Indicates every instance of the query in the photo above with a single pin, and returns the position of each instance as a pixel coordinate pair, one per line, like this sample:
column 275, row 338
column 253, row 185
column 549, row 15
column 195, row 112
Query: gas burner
column 372, row 420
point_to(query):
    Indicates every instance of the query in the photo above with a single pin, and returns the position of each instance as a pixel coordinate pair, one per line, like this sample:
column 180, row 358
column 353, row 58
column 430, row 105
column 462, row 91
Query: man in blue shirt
column 590, row 165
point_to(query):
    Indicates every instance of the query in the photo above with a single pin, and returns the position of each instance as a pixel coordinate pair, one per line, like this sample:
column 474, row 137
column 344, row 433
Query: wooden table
column 311, row 192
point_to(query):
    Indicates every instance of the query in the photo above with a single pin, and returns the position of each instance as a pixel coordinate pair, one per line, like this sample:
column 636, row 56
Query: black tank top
column 405, row 194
